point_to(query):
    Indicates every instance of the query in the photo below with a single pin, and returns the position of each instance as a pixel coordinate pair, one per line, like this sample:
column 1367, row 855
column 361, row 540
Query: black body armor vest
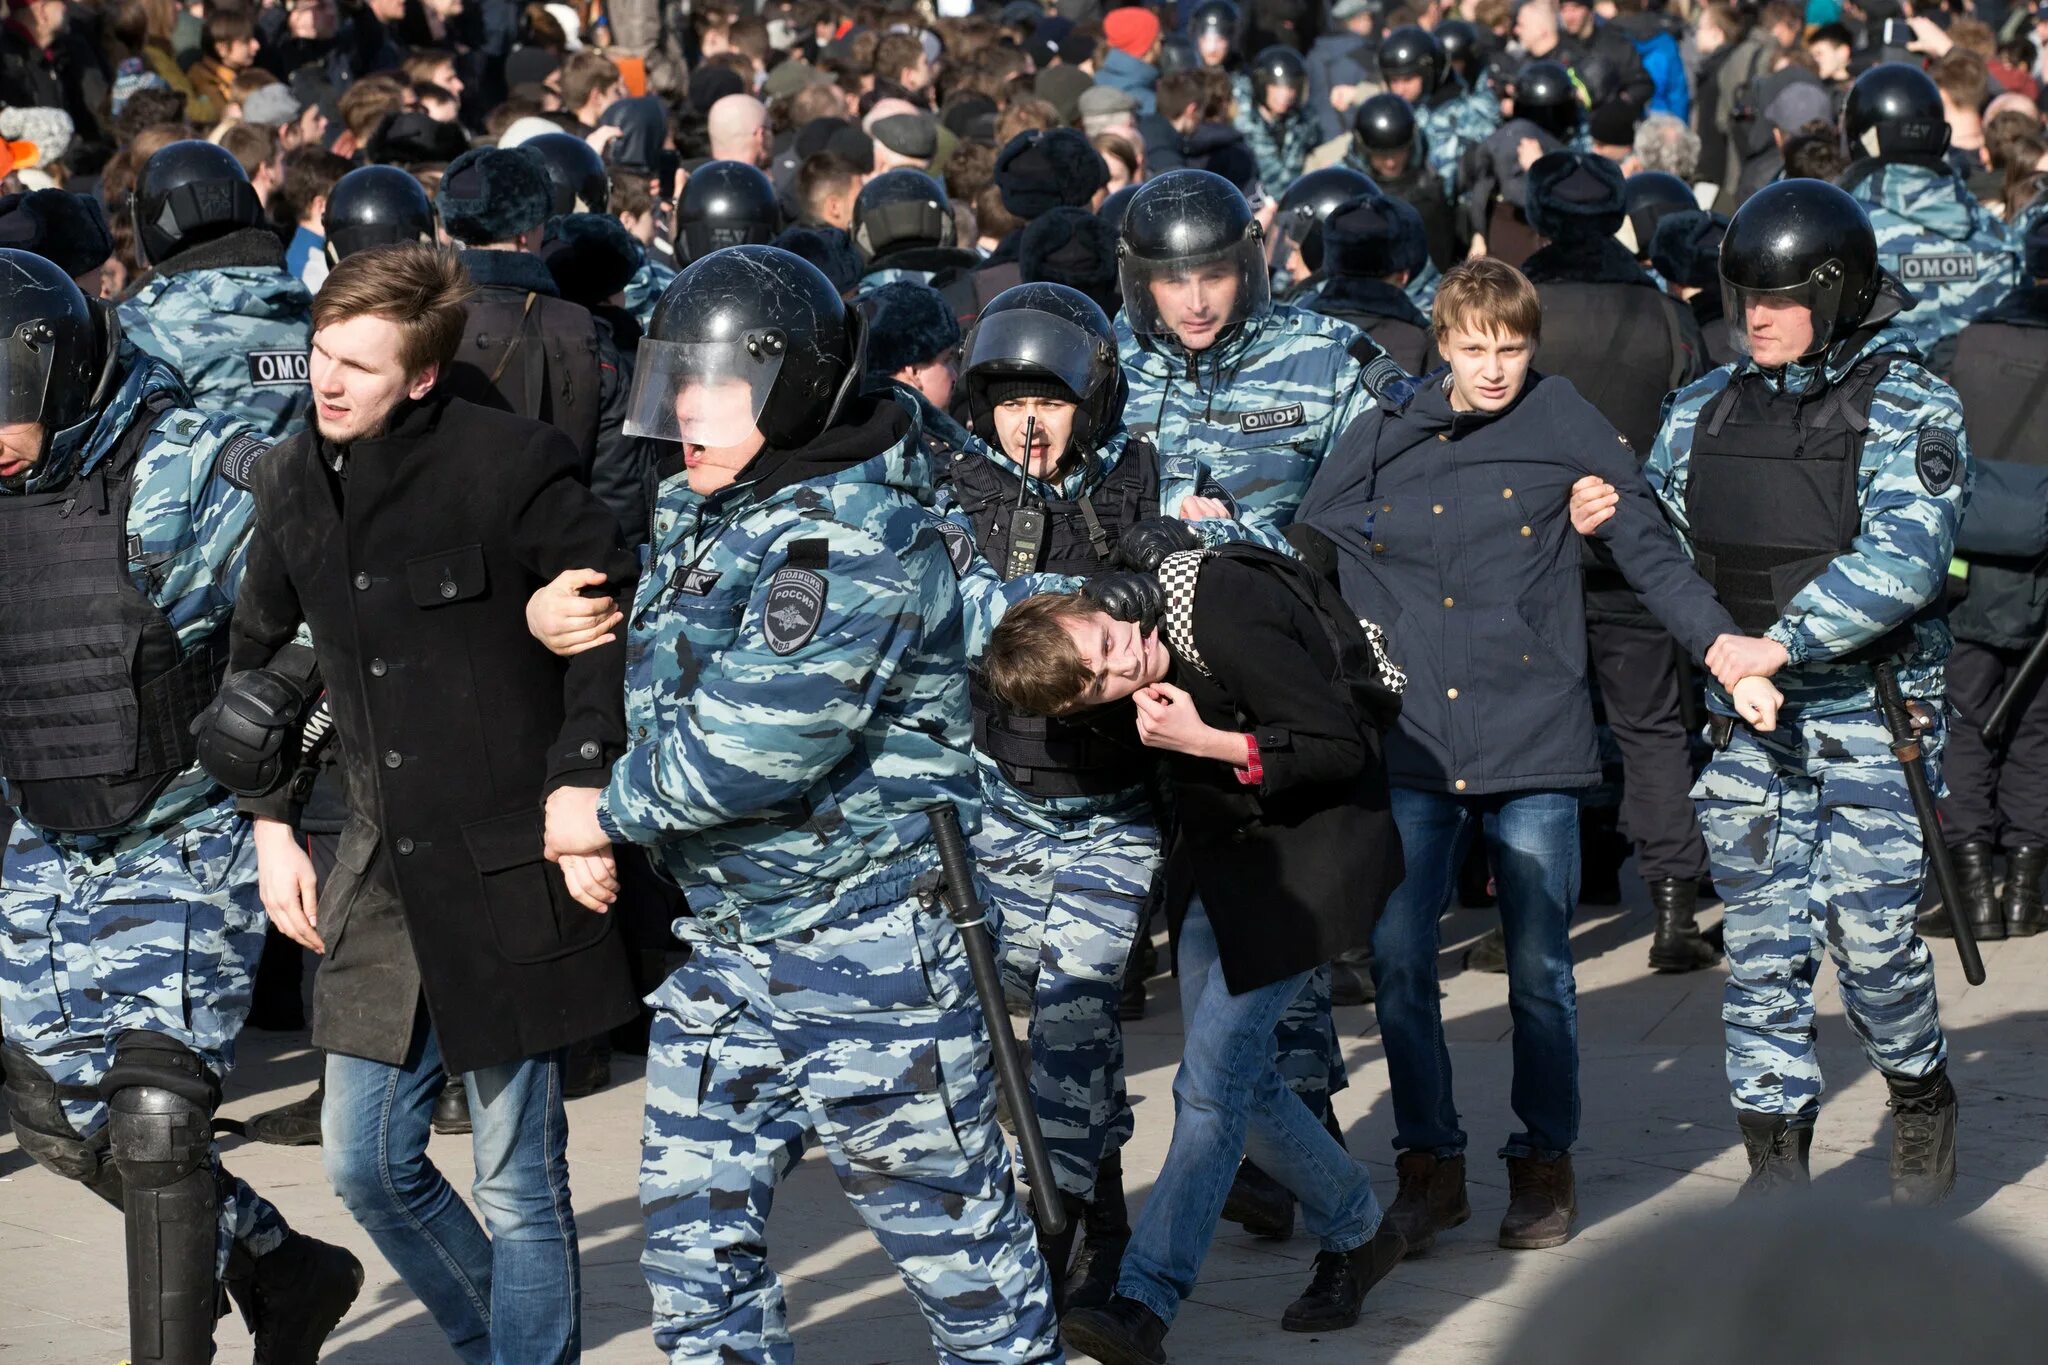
column 96, row 700
column 2001, row 374
column 1041, row 755
column 1773, row 491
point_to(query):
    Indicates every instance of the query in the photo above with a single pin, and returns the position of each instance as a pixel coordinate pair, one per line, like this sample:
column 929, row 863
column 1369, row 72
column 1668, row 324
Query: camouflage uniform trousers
column 1065, row 913
column 1305, row 1045
column 162, row 931
column 864, row 1032
column 1814, row 842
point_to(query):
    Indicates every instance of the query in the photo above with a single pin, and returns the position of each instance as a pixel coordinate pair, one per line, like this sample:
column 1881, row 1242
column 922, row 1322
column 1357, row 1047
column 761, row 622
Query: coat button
column 1437, row 508
column 447, row 587
column 1526, row 531
column 1452, row 694
column 1450, row 602
column 362, row 582
column 1386, row 507
column 378, row 668
column 589, row 749
column 1459, row 784
column 391, row 758
column 1443, row 436
column 1507, row 492
column 1378, row 548
column 405, row 845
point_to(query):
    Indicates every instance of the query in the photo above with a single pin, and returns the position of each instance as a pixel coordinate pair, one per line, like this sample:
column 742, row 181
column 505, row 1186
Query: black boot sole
column 1081, row 1336
column 1678, row 960
column 1337, row 1322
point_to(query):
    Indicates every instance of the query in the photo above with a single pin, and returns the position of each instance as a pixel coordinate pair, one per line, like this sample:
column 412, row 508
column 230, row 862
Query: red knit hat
column 1132, row 30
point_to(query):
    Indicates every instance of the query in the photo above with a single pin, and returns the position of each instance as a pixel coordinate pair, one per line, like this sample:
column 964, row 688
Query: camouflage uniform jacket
column 1948, row 251
column 796, row 688
column 189, row 515
column 1452, row 120
column 1280, row 148
column 1900, row 557
column 238, row 333
column 644, row 290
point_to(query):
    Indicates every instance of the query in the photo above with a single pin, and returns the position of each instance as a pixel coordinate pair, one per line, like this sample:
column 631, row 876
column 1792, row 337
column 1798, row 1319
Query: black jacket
column 1292, row 872
column 412, row 567
column 1385, row 313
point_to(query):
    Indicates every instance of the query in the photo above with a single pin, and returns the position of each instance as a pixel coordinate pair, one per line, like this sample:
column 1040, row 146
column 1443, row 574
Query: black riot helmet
column 1462, row 53
column 1040, row 333
column 1217, row 18
column 1412, row 50
column 1384, row 124
column 1191, row 235
column 375, row 206
column 1281, row 66
column 1111, row 210
column 1894, row 110
column 576, row 172
column 1806, row 242
column 1545, row 96
column 54, row 351
column 724, row 203
column 1649, row 195
column 1308, row 201
column 748, row 339
column 190, row 192
column 1177, row 53
column 901, row 208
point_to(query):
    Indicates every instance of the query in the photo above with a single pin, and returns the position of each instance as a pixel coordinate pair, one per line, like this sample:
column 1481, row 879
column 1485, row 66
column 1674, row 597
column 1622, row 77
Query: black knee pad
column 161, row 1100
column 35, row 1110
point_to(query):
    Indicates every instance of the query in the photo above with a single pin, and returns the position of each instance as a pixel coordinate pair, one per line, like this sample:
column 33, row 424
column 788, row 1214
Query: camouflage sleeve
column 197, row 587
column 1911, row 508
column 781, row 705
column 1182, row 477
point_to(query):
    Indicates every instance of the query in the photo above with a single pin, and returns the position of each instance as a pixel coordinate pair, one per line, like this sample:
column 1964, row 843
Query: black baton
column 965, row 909
column 2023, row 681
column 1906, row 748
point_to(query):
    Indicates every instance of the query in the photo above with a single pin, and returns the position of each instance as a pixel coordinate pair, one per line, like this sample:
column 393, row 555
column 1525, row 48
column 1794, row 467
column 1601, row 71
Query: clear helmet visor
column 1021, row 341
column 1195, row 300
column 702, row 393
column 26, row 358
column 1773, row 316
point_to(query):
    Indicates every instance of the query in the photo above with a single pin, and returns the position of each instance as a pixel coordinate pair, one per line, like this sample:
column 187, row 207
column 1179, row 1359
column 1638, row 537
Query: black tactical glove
column 1151, row 540
column 1127, row 596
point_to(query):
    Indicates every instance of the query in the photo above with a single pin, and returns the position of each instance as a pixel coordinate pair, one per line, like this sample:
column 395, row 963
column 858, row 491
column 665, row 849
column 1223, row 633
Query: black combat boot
column 2023, row 912
column 1923, row 1139
column 1972, row 862
column 1678, row 946
column 1121, row 1332
column 451, row 1110
column 1777, row 1153
column 1106, row 1231
column 1489, row 954
column 1260, row 1204
column 292, row 1298
column 1342, row 1279
column 1431, row 1198
column 291, row 1125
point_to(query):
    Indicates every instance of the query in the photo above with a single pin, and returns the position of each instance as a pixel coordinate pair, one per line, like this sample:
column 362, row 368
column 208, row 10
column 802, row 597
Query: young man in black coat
column 1287, row 848
column 406, row 533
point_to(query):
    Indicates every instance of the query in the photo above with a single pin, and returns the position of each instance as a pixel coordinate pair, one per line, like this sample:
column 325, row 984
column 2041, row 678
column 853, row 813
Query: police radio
column 1027, row 523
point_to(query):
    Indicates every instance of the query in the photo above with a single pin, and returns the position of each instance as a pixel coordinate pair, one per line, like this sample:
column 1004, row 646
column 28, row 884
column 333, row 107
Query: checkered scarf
column 1177, row 574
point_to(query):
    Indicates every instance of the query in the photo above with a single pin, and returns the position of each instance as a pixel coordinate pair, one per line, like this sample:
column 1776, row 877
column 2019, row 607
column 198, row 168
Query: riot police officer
column 1372, row 246
column 1254, row 393
column 375, row 206
column 724, row 203
column 1999, row 367
column 1216, row 27
column 575, row 170
column 218, row 304
column 903, row 224
column 1272, row 113
column 132, row 507
column 1831, row 577
column 1650, row 197
column 1388, row 144
column 824, row 993
column 1453, row 116
column 1932, row 234
column 1295, row 244
column 1686, row 252
column 1544, row 109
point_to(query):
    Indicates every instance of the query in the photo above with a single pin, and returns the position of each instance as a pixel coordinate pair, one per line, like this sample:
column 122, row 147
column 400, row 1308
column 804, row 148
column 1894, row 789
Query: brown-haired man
column 406, row 531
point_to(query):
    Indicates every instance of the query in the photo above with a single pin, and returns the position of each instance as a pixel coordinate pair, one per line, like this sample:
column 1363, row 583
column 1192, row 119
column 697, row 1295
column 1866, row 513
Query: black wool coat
column 1294, row 871
column 412, row 566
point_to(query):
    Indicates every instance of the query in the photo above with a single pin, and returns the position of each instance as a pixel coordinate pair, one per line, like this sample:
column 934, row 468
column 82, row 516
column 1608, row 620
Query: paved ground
column 1658, row 1140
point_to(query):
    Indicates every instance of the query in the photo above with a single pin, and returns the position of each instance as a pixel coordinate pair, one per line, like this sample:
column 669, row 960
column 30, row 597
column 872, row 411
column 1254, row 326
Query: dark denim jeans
column 514, row 1297
column 1534, row 841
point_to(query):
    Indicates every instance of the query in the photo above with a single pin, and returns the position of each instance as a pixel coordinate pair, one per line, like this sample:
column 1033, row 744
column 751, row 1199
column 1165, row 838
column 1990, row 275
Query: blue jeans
column 1533, row 838
column 514, row 1297
column 1229, row 1098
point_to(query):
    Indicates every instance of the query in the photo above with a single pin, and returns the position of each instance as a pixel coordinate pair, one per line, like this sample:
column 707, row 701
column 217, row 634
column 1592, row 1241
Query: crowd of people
column 524, row 511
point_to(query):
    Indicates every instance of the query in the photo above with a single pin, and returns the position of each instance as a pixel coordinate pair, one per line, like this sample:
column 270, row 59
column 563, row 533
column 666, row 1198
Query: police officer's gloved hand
column 1127, row 596
column 1151, row 540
